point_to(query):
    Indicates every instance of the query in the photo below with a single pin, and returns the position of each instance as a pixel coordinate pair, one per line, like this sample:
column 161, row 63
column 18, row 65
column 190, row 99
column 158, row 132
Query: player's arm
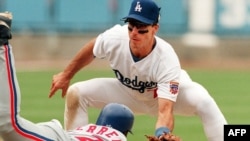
column 165, row 121
column 82, row 58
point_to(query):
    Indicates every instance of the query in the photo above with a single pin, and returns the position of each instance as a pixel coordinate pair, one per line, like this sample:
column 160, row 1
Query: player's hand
column 59, row 81
column 169, row 137
column 164, row 137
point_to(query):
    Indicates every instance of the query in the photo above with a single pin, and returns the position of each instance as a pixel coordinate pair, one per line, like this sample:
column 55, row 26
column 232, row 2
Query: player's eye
column 140, row 31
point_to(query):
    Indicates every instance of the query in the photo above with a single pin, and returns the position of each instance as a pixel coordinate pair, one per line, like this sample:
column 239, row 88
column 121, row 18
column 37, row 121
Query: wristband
column 161, row 130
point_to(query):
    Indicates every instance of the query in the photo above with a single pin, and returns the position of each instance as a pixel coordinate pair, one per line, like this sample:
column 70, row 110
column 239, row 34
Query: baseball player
column 113, row 124
column 149, row 78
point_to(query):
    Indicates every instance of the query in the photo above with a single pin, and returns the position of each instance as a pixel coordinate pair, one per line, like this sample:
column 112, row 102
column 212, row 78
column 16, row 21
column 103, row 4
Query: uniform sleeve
column 168, row 87
column 109, row 39
column 98, row 50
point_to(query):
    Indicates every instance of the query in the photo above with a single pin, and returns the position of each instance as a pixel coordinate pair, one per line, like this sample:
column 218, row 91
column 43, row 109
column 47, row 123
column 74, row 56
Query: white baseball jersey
column 92, row 132
column 160, row 69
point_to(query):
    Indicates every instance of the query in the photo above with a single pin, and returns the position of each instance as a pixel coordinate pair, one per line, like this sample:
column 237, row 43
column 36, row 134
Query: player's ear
column 156, row 27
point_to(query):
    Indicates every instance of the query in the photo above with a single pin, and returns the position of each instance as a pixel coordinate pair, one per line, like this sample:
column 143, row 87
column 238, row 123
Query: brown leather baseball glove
column 164, row 137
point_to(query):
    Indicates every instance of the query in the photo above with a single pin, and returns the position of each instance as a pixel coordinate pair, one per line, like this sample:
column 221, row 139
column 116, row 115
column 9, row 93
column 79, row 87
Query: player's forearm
column 165, row 121
column 82, row 59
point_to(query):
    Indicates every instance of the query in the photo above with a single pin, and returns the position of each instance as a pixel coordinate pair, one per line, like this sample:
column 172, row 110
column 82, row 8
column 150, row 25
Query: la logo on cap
column 138, row 7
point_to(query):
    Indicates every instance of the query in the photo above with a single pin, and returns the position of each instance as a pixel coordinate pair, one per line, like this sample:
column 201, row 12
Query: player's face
column 141, row 35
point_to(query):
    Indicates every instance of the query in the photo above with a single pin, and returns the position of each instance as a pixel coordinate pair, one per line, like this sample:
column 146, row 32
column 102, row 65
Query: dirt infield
column 34, row 52
column 39, row 65
column 55, row 51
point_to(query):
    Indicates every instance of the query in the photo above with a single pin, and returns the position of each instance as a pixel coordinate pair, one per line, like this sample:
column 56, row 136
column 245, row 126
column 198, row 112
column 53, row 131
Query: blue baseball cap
column 145, row 11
